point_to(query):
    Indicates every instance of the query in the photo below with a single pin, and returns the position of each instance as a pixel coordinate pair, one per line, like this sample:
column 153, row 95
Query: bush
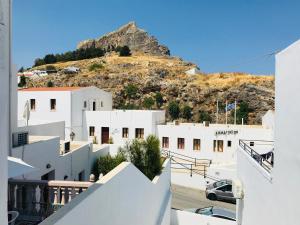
column 104, row 164
column 21, row 70
column 242, row 112
column 22, row 82
column 131, row 91
column 148, row 103
column 174, row 110
column 124, row 51
column 159, row 99
column 145, row 155
column 204, row 116
column 187, row 112
column 50, row 83
column 95, row 66
column 50, row 67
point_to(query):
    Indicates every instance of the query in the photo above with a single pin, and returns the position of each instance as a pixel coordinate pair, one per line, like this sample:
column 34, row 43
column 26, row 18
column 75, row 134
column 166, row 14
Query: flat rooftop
column 51, row 89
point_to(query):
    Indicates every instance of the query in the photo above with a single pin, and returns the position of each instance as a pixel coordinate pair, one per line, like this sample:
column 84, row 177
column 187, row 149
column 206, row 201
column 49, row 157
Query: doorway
column 104, row 135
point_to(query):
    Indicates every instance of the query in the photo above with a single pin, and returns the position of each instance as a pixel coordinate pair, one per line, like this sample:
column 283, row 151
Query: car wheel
column 212, row 197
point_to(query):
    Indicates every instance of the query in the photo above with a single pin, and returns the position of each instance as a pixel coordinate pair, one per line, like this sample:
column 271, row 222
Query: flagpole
column 235, row 112
column 217, row 111
column 226, row 112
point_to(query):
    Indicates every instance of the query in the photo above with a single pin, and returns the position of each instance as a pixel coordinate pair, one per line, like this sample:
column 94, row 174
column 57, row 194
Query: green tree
column 125, row 51
column 39, row 62
column 22, row 82
column 174, row 110
column 159, row 99
column 153, row 164
column 50, row 58
column 131, row 91
column 187, row 112
column 242, row 112
column 50, row 83
column 204, row 116
column 21, row 70
column 148, row 102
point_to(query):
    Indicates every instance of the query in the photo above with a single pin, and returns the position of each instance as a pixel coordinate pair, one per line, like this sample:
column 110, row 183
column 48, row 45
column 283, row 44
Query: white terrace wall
column 41, row 153
column 123, row 196
column 46, row 129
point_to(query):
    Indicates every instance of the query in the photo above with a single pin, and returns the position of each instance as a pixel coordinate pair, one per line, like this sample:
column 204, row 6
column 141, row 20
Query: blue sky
column 217, row 35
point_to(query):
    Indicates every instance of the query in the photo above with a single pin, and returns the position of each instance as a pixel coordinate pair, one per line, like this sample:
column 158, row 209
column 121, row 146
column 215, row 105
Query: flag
column 229, row 107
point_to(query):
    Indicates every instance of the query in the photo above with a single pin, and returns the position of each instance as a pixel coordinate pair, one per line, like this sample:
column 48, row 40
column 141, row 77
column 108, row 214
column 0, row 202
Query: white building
column 271, row 188
column 63, row 104
column 121, row 125
column 193, row 71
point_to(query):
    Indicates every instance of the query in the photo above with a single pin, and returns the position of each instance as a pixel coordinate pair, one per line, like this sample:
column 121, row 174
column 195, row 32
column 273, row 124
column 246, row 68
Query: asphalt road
column 185, row 198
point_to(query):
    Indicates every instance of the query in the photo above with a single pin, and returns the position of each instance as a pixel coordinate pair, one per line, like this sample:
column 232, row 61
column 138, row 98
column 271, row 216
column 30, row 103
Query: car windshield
column 205, row 211
column 220, row 183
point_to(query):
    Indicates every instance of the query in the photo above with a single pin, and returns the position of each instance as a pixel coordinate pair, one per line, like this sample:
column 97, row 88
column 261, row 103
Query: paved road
column 184, row 198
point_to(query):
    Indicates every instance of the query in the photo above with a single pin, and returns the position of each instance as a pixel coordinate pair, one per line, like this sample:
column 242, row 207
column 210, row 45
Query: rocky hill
column 152, row 71
column 130, row 35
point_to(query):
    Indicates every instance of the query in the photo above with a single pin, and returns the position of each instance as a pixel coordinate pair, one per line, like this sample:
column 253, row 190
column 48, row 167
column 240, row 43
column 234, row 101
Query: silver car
column 220, row 191
column 215, row 212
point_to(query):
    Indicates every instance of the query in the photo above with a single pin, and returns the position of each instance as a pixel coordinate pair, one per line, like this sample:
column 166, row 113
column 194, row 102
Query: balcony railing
column 266, row 160
column 35, row 200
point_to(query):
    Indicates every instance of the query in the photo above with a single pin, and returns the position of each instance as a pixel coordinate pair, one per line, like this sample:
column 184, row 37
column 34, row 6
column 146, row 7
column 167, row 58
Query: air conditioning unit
column 20, row 139
column 237, row 189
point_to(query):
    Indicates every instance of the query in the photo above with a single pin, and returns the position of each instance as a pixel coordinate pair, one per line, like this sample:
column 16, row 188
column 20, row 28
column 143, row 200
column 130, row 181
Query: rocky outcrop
column 135, row 38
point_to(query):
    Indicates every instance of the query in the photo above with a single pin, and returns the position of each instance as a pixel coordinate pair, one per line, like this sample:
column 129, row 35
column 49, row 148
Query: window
column 32, row 104
column 92, row 131
column 125, row 132
column 52, row 104
column 218, row 145
column 229, row 143
column 94, row 106
column 84, row 104
column 251, row 143
column 165, row 142
column 196, row 144
column 139, row 133
column 227, row 187
column 180, row 143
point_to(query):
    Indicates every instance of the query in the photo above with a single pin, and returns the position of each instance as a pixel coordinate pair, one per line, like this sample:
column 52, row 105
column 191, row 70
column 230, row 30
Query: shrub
column 50, row 67
column 131, row 91
column 148, row 103
column 174, row 110
column 187, row 112
column 145, row 155
column 50, row 83
column 242, row 112
column 125, row 51
column 159, row 99
column 105, row 164
column 204, row 116
column 21, row 70
column 95, row 66
column 22, row 82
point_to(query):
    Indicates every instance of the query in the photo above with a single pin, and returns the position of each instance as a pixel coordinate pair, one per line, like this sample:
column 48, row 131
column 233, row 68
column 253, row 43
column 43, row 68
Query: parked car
column 220, row 191
column 215, row 212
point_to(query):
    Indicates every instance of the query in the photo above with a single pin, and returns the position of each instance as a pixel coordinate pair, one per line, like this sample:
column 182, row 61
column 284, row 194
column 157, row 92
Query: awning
column 17, row 167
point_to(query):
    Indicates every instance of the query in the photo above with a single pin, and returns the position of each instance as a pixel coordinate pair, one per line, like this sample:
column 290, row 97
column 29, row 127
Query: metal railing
column 35, row 200
column 192, row 164
column 266, row 161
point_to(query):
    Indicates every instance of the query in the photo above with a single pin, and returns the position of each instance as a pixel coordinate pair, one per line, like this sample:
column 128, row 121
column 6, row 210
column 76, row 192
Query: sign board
column 227, row 132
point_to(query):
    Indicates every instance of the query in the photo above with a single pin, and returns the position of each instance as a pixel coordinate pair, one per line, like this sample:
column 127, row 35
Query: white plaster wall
column 41, row 153
column 43, row 114
column 123, row 196
column 268, row 120
column 179, row 217
column 4, row 112
column 88, row 94
column 259, row 196
column 46, row 129
column 207, row 136
column 117, row 119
